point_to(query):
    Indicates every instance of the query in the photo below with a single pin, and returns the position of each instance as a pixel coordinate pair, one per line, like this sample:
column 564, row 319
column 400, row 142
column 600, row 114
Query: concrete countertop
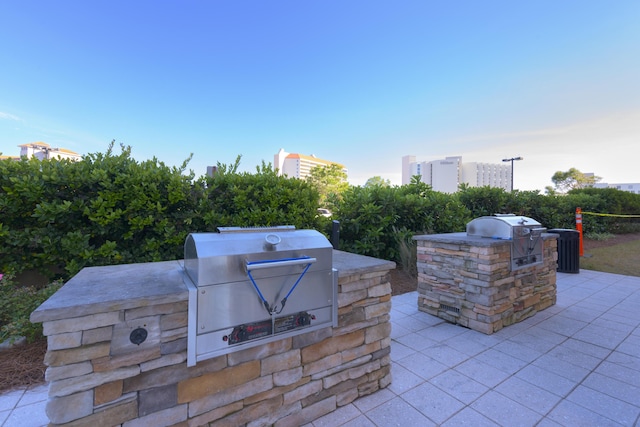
column 120, row 287
column 463, row 238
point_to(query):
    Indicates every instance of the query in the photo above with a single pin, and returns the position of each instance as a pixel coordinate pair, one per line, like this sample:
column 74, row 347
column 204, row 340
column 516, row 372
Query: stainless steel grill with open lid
column 251, row 286
column 524, row 233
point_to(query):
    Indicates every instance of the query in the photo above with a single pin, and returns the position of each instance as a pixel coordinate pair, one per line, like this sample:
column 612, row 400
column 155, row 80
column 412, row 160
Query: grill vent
column 449, row 308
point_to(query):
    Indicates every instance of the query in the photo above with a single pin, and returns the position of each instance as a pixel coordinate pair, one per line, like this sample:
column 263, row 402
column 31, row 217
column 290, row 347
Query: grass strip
column 623, row 258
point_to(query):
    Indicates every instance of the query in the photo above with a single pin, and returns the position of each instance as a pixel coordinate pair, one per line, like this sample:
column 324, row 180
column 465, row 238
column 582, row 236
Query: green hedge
column 60, row 216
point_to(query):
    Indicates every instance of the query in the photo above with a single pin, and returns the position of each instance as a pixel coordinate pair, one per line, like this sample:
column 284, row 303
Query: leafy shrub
column 16, row 304
column 111, row 209
column 105, row 209
column 483, row 201
column 371, row 217
column 230, row 198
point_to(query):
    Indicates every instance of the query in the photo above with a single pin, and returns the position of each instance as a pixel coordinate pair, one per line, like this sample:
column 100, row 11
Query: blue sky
column 362, row 83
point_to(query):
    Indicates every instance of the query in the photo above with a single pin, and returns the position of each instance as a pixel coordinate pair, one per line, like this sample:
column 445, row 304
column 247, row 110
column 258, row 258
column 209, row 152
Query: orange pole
column 579, row 228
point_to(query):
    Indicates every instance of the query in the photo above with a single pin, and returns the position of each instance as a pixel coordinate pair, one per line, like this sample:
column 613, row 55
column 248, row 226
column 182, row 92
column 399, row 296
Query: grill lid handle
column 273, row 263
column 269, row 263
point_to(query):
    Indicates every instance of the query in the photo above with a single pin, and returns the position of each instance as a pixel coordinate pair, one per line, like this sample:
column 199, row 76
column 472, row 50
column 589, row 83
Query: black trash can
column 568, row 250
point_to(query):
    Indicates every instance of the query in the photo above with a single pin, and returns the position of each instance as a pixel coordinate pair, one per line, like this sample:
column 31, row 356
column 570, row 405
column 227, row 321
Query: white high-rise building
column 630, row 187
column 42, row 150
column 296, row 165
column 447, row 174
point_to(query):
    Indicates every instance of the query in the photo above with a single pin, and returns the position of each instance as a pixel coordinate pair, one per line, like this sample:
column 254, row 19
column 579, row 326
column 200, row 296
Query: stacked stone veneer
column 97, row 377
column 467, row 280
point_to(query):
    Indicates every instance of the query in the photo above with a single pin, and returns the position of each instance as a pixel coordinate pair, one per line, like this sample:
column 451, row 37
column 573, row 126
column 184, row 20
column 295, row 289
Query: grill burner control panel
column 249, row 287
column 252, row 331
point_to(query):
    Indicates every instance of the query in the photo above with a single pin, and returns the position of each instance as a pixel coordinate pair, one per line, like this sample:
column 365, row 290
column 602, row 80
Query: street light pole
column 512, row 160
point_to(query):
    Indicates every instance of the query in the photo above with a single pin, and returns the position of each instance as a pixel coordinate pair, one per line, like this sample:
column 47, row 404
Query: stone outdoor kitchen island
column 467, row 280
column 102, row 372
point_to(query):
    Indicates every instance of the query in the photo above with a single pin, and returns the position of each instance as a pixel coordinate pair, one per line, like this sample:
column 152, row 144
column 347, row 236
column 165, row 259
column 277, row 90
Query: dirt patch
column 402, row 282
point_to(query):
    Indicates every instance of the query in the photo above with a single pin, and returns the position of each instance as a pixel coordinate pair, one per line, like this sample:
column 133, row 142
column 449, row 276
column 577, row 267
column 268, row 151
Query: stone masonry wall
column 468, row 281
column 97, row 377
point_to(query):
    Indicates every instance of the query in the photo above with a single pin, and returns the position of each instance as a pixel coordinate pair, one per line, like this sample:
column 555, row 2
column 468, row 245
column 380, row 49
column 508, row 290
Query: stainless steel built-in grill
column 524, row 233
column 251, row 286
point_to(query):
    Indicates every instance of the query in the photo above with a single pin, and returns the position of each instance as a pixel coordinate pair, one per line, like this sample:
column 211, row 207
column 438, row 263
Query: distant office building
column 447, row 174
column 296, row 165
column 212, row 170
column 42, row 151
column 631, row 188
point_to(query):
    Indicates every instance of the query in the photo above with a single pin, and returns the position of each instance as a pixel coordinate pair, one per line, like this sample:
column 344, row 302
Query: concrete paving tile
column 519, row 351
column 615, row 324
column 423, row 366
column 469, row 417
column 546, row 422
column 361, row 421
column 442, row 331
column 415, row 342
column 620, row 390
column 402, row 379
column 511, row 330
column 397, row 412
column 576, row 312
column 631, row 346
column 547, row 380
column 32, row 415
column 618, row 372
column 539, row 339
column 408, row 298
column 624, row 359
column 427, row 318
column 505, row 411
column 570, row 414
column 367, row 403
column 433, row 402
column 39, row 393
column 398, row 331
column 560, row 367
column 604, row 337
column 487, row 340
column 338, row 417
column 562, row 325
column 400, row 351
column 444, row 354
column 459, row 386
column 529, row 395
column 408, row 322
column 9, row 399
column 604, row 405
column 501, row 361
column 465, row 344
column 482, row 373
column 585, row 348
column 4, row 415
column 570, row 353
